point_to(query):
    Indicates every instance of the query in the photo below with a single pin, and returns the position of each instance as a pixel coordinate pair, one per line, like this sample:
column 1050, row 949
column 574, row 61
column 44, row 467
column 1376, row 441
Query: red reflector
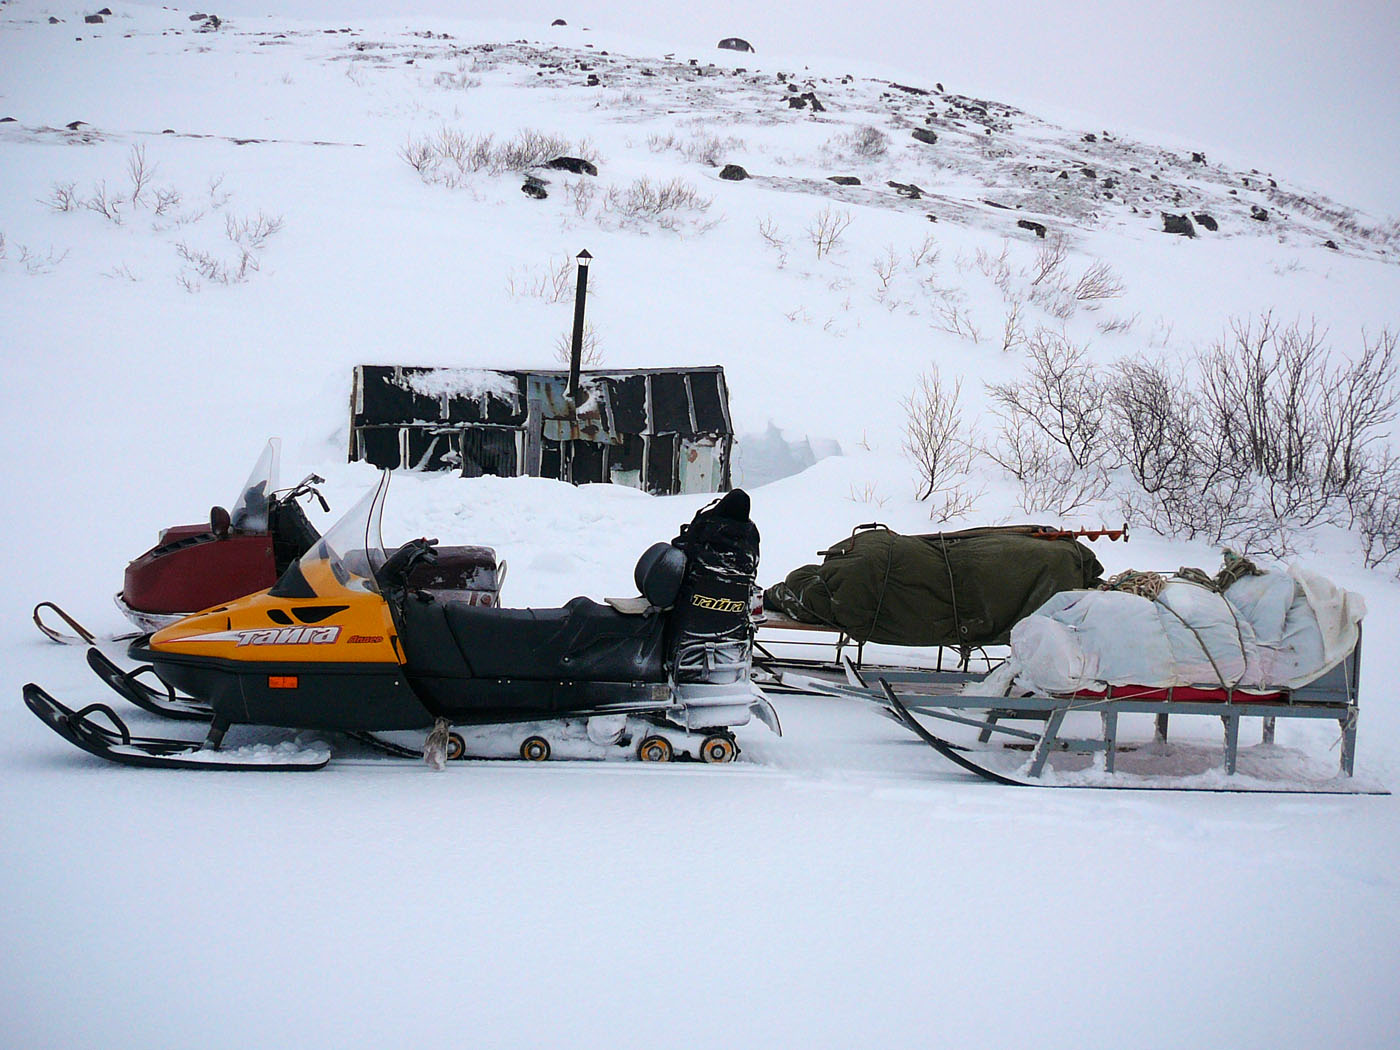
column 281, row 681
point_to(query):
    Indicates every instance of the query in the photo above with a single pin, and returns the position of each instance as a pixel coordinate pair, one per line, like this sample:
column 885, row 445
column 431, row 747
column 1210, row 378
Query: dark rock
column 168, row 131
column 577, row 165
column 592, row 81
column 534, row 187
column 1258, row 214
column 796, row 102
column 814, row 102
column 907, row 189
column 1108, row 184
column 1273, row 183
column 75, row 125
column 1199, row 158
column 925, row 135
column 792, row 88
column 7, row 120
column 1207, row 221
column 1331, row 244
column 931, row 217
column 782, row 78
column 844, row 180
column 1062, row 175
column 1035, row 227
column 1178, row 224
column 558, row 22
column 734, row 43
column 995, row 204
column 54, row 21
column 910, row 90
column 733, row 173
column 106, row 11
column 1089, row 173
column 93, row 19
column 1090, row 137
column 939, row 87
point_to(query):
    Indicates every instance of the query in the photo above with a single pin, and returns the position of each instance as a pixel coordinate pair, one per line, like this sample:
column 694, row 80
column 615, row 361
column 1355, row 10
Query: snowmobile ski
column 116, row 744
column 164, row 701
column 80, row 635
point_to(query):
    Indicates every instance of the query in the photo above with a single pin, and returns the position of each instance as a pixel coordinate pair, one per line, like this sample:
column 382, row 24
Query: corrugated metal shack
column 664, row 430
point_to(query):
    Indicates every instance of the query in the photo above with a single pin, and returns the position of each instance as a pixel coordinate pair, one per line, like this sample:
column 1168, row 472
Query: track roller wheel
column 534, row 749
column 718, row 748
column 456, row 747
column 655, row 749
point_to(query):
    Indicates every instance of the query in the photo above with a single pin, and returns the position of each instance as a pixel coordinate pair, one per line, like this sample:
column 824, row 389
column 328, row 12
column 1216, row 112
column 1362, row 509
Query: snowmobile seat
column 582, row 641
column 659, row 574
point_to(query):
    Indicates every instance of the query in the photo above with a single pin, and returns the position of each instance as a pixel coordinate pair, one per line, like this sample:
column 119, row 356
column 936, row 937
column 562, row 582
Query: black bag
column 710, row 623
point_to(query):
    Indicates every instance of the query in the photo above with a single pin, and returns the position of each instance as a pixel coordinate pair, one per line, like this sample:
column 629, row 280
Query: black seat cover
column 659, row 574
column 583, row 641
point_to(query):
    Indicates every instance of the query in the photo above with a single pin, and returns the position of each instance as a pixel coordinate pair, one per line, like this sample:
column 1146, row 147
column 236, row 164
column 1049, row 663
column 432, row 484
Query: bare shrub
column 996, row 268
column 868, row 141
column 36, row 264
column 448, row 156
column 926, row 253
column 218, row 197
column 1098, row 282
column 590, row 348
column 933, row 433
column 460, row 79
column 580, row 194
column 1111, row 325
column 140, row 172
column 251, row 233
column 1049, row 259
column 953, row 319
column 826, row 229
column 63, row 197
column 1378, row 514
column 553, row 282
column 1060, row 396
column 166, row 199
column 1012, row 332
column 105, row 204
column 665, row 204
column 869, row 492
column 1047, row 479
column 886, row 266
column 772, row 236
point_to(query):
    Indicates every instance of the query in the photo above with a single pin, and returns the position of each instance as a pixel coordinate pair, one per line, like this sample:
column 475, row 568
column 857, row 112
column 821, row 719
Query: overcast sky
column 1305, row 89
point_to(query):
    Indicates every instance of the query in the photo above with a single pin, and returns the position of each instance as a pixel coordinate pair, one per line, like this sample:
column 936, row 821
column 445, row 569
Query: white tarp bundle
column 1278, row 629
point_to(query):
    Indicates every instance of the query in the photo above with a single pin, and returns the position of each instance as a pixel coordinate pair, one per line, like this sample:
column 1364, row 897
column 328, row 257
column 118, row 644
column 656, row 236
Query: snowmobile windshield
column 346, row 558
column 252, row 512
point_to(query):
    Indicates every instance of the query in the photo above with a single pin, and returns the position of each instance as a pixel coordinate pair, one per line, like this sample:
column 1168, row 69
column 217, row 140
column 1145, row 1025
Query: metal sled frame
column 836, row 640
column 1333, row 696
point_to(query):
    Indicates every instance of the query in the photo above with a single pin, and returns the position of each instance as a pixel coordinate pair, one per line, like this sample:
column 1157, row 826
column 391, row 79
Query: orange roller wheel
column 655, row 749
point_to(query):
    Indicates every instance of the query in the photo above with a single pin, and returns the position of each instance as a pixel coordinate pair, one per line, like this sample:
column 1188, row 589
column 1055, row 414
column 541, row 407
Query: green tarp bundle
column 953, row 588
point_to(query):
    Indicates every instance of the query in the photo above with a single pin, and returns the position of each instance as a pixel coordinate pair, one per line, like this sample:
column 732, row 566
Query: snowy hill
column 207, row 222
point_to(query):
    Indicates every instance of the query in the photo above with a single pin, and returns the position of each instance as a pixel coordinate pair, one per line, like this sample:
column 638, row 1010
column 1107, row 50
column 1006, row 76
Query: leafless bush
column 886, row 266
column 449, row 156
column 666, row 204
column 1047, row 479
column 955, row 320
column 580, row 194
column 1012, row 332
column 105, row 204
column 460, row 79
column 1049, row 259
column 63, row 197
column 659, row 143
column 869, row 492
column 204, row 264
column 218, row 196
column 251, row 233
column 123, row 271
column 166, row 199
column 926, row 252
column 933, row 433
column 35, row 264
column 553, row 282
column 826, row 229
column 1098, row 282
column 1060, row 396
column 868, row 141
column 1110, row 325
column 590, row 349
column 140, row 172
column 1378, row 514
column 995, row 268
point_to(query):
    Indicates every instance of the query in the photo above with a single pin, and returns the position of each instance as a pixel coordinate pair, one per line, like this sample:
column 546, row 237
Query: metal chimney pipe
column 576, row 353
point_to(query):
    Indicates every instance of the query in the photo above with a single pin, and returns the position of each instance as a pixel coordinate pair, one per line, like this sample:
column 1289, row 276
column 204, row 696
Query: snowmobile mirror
column 219, row 522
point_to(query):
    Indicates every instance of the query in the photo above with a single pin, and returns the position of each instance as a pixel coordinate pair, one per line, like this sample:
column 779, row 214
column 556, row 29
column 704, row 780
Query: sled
column 1053, row 755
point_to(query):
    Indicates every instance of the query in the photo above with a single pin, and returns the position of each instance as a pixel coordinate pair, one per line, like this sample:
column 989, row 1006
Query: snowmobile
column 344, row 641
column 238, row 552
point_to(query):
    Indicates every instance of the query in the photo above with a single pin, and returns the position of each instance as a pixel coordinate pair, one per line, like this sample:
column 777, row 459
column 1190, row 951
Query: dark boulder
column 1089, row 173
column 1258, row 214
column 1206, row 221
column 1089, row 136
column 74, row 125
column 796, row 102
column 733, row 173
column 1035, row 227
column 54, row 21
column 1062, row 175
column 534, row 187
column 93, row 19
column 844, row 180
column 814, row 102
column 105, row 11
column 925, row 135
column 1178, row 224
column 1199, row 158
column 1331, row 244
column 577, row 165
column 734, row 43
column 558, row 22
column 907, row 189
column 592, row 80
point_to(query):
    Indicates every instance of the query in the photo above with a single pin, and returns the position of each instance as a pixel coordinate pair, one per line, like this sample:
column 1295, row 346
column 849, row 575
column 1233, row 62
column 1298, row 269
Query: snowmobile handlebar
column 307, row 487
column 395, row 571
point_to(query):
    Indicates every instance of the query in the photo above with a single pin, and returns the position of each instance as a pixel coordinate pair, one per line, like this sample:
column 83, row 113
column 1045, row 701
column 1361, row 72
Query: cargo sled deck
column 1026, row 741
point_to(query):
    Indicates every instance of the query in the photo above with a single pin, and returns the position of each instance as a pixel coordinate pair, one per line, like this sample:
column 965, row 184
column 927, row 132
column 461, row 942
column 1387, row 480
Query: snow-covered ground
column 839, row 886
